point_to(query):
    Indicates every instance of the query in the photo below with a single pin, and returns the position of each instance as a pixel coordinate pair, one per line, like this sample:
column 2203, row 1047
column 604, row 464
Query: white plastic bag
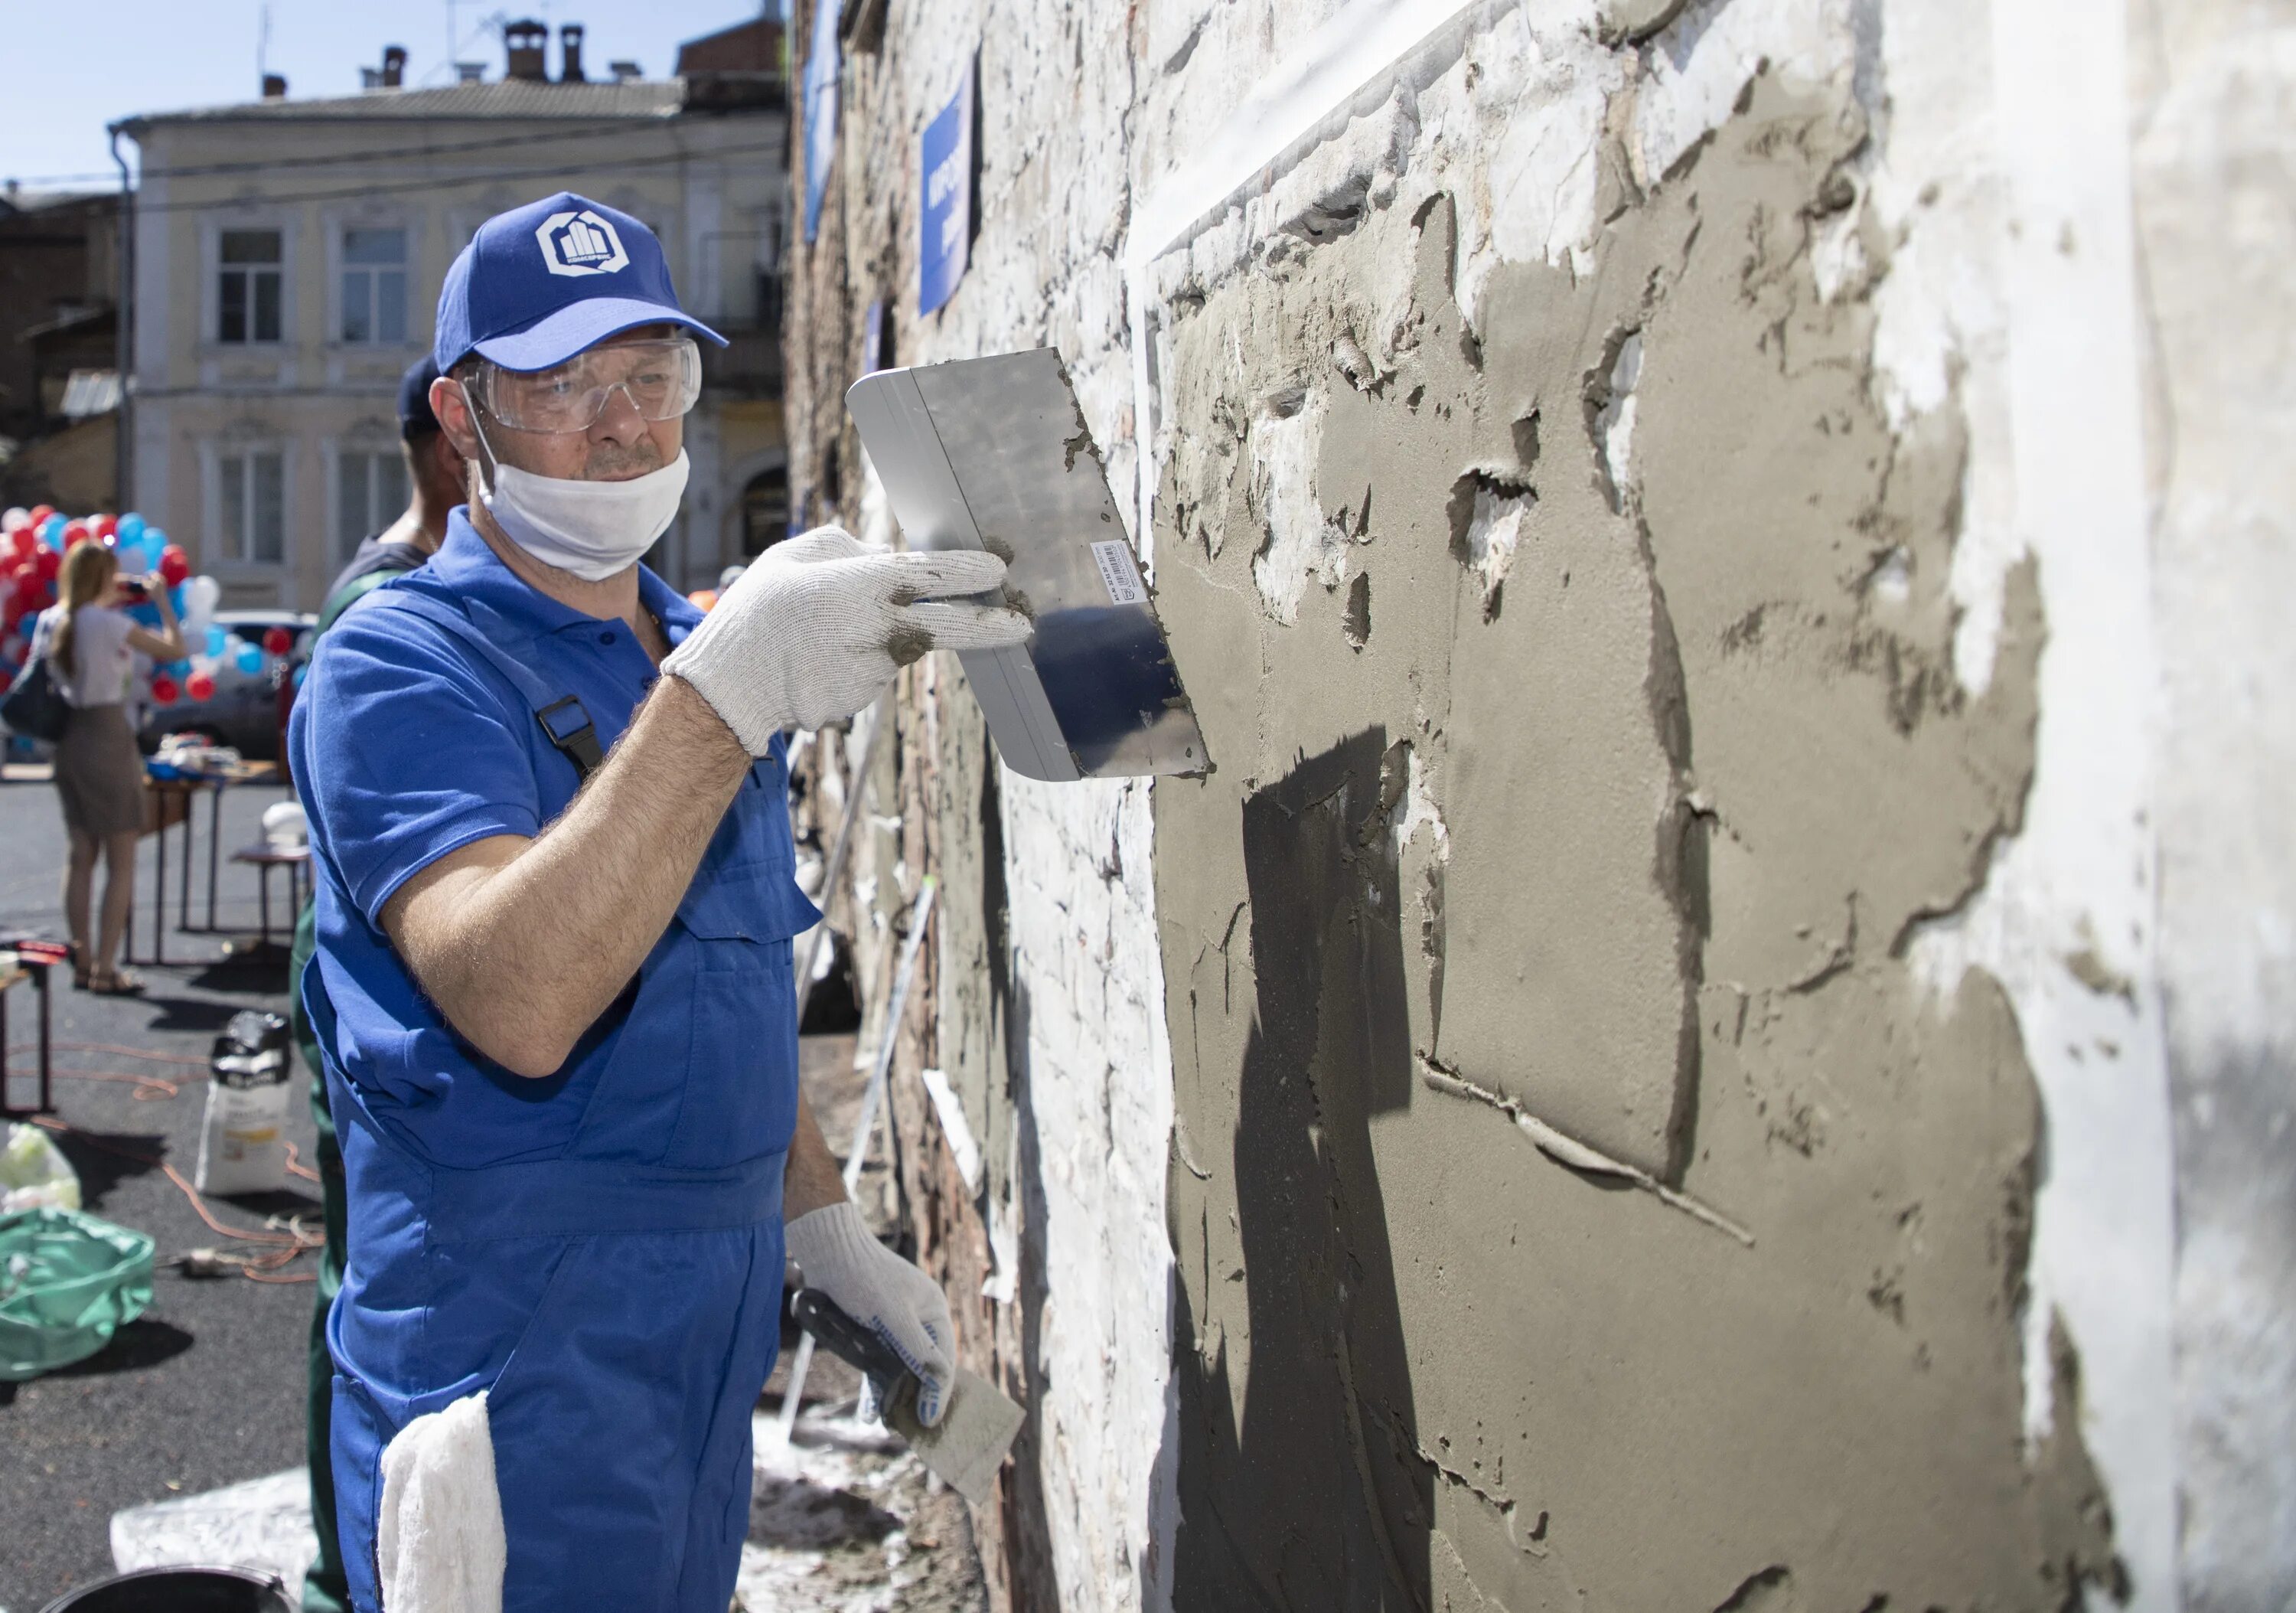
column 243, row 1144
column 35, row 1175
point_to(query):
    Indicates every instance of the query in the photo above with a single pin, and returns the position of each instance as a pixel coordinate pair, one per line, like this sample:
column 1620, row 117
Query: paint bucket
column 179, row 1591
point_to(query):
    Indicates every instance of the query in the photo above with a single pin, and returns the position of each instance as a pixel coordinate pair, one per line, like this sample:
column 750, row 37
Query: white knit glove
column 816, row 628
column 880, row 1291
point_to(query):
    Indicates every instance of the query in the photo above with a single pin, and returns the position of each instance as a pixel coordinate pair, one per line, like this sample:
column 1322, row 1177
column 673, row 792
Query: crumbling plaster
column 1950, row 630
column 1693, row 1031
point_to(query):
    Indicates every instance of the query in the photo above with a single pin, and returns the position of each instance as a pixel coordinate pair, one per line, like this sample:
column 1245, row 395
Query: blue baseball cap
column 542, row 282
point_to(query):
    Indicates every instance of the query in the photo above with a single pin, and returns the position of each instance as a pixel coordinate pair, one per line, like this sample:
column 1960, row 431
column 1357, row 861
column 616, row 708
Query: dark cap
column 414, row 416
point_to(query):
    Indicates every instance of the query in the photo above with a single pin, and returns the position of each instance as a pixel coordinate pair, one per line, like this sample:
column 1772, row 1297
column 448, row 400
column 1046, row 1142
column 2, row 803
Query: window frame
column 213, row 226
column 372, row 277
column 251, row 275
column 234, row 502
column 382, row 506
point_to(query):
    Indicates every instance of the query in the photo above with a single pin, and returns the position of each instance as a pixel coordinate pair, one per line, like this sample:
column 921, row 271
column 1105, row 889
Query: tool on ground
column 794, row 1397
column 977, row 1426
column 994, row 454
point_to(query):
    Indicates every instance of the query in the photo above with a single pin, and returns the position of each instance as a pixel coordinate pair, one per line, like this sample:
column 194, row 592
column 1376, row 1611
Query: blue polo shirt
column 407, row 746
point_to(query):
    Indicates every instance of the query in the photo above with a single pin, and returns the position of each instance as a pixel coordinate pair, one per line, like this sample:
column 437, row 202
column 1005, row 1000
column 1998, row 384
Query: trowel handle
column 826, row 1321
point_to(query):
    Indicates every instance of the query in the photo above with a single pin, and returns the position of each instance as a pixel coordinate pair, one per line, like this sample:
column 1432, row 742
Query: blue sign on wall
column 820, row 110
column 946, row 223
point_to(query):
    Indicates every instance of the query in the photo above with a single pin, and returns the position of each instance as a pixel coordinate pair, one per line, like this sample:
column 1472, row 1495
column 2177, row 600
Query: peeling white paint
column 1304, row 544
column 1494, row 529
column 2079, row 879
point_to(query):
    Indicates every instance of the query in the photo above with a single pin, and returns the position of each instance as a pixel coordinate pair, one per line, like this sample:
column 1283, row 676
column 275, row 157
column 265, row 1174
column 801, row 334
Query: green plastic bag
column 68, row 1282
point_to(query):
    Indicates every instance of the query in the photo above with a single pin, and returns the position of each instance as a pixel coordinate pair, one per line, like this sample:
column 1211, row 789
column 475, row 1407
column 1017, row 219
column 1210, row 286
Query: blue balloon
column 52, row 532
column 146, row 614
column 131, row 527
column 249, row 659
column 218, row 641
column 177, row 670
column 301, row 668
column 175, row 600
column 132, row 559
column 153, row 540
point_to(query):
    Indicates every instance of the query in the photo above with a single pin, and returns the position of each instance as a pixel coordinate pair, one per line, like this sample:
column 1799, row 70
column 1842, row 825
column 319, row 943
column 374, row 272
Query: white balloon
column 16, row 515
column 201, row 595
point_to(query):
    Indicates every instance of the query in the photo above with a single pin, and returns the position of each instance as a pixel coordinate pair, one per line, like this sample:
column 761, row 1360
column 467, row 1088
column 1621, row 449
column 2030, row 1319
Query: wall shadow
column 1318, row 1501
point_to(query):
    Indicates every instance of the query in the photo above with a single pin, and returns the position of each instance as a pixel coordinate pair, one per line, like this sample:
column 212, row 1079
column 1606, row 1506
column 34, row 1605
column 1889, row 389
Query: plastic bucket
column 179, row 1591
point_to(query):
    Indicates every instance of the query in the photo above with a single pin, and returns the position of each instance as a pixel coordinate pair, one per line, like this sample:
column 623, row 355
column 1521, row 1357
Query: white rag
column 438, row 1531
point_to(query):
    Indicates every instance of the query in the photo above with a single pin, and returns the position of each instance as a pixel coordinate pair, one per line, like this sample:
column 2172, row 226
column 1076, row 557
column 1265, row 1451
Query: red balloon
column 47, row 563
column 75, row 532
column 278, row 640
column 103, row 527
column 22, row 541
column 200, row 686
column 175, row 565
column 40, row 513
column 164, row 689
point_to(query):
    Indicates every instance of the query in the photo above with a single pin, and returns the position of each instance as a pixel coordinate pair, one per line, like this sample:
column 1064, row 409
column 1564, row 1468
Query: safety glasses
column 662, row 380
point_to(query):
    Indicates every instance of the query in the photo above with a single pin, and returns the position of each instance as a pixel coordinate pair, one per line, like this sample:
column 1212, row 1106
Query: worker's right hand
column 815, row 629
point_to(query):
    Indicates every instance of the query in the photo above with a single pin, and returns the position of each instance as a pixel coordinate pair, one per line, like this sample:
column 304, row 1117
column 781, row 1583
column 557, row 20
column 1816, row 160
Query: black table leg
column 159, row 890
column 214, row 847
column 183, row 891
column 40, row 984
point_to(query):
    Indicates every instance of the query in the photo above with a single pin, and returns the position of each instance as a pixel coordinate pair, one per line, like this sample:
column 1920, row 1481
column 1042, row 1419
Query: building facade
column 286, row 265
column 1717, row 1038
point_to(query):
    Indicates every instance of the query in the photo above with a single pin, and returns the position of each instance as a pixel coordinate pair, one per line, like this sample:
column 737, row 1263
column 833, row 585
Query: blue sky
column 75, row 65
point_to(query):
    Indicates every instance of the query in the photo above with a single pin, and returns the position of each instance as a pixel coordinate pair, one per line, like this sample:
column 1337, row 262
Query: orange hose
column 285, row 1247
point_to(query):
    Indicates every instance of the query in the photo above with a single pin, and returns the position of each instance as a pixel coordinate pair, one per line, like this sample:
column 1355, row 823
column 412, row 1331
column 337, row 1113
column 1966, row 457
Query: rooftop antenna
column 263, row 45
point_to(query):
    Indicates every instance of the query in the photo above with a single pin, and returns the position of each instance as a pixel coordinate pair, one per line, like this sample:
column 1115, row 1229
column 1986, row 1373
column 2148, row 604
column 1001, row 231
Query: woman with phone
column 91, row 643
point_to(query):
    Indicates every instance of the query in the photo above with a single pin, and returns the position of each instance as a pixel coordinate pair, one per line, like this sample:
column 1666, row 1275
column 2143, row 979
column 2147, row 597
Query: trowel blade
column 968, row 1444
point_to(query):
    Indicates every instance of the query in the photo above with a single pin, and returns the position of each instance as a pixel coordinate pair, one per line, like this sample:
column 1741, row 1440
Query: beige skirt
column 100, row 773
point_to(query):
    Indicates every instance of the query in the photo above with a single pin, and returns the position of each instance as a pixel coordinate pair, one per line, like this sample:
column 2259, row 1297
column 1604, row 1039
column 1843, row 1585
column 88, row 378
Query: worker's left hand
column 882, row 1292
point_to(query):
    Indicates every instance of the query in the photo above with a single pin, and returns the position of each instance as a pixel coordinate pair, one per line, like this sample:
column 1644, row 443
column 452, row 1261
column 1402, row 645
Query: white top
column 99, row 649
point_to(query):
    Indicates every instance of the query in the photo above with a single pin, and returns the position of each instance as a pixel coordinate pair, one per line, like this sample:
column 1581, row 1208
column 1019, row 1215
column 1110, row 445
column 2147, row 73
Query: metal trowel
column 994, row 454
column 967, row 1445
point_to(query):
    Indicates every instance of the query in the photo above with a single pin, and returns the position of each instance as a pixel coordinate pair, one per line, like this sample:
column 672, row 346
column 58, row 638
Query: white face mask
column 591, row 529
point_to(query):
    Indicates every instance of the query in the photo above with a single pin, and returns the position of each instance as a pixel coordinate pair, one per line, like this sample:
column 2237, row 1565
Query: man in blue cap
column 435, row 475
column 552, row 987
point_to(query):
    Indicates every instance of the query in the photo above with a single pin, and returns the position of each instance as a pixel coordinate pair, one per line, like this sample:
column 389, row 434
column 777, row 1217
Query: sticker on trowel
column 1117, row 571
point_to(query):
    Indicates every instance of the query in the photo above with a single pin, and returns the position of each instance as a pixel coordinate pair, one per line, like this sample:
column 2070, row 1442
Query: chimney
column 569, row 54
column 394, row 66
column 469, row 72
column 625, row 72
column 274, row 87
column 527, row 43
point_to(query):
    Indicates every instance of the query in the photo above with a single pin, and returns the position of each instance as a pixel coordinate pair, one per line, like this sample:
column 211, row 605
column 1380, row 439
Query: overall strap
column 563, row 719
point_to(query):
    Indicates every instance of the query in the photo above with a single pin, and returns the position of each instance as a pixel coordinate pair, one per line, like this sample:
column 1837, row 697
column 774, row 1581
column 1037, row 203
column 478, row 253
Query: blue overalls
column 600, row 1250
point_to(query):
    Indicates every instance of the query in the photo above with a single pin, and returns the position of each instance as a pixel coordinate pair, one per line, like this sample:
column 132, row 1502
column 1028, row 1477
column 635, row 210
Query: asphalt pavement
column 207, row 1388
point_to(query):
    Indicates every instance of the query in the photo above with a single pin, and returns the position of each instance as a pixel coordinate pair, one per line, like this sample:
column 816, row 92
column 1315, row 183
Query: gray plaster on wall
column 1627, row 841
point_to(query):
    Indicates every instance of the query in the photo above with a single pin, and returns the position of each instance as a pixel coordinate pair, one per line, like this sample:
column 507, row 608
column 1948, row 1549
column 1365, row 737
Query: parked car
column 244, row 711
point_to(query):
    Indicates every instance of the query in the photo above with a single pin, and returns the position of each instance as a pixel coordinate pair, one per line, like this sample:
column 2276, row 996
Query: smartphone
column 135, row 588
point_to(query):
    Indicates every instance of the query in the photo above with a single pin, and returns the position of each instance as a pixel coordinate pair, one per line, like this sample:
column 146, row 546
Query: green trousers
column 324, row 1589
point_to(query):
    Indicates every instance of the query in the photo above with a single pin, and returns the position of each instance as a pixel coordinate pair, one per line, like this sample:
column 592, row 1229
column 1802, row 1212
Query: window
column 247, row 286
column 253, row 506
column 374, row 285
column 370, row 494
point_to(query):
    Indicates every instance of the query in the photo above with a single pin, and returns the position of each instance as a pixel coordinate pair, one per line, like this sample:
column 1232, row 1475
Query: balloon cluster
column 33, row 543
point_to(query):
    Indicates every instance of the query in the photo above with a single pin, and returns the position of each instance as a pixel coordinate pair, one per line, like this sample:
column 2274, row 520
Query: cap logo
column 580, row 243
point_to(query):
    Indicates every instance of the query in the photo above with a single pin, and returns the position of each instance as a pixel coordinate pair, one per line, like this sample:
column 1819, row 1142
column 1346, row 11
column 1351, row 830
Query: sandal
column 116, row 983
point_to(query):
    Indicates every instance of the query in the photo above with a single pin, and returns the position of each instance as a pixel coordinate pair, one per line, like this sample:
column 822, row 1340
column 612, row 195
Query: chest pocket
column 740, row 1096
